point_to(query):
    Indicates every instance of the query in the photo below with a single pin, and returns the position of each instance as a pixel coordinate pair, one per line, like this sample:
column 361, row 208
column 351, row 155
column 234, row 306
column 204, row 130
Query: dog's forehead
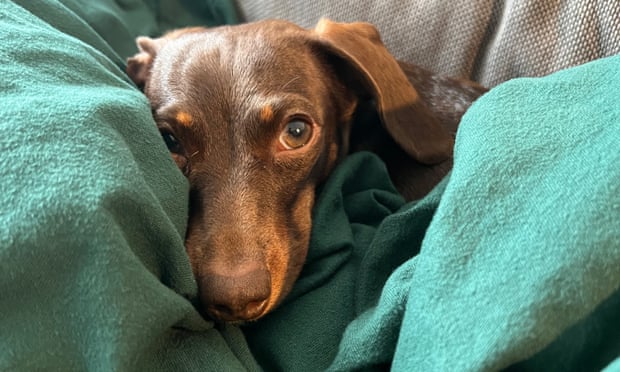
column 227, row 68
column 277, row 36
column 257, row 55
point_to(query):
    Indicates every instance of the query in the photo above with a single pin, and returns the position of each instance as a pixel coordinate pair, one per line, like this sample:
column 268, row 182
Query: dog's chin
column 237, row 323
column 224, row 318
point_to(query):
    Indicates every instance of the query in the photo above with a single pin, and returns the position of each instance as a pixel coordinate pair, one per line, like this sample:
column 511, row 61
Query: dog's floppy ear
column 139, row 66
column 408, row 121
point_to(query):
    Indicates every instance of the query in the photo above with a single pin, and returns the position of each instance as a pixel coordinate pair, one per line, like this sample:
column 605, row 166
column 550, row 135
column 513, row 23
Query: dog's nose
column 238, row 295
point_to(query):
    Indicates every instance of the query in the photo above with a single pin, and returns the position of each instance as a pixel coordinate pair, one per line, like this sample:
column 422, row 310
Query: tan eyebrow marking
column 184, row 118
column 266, row 113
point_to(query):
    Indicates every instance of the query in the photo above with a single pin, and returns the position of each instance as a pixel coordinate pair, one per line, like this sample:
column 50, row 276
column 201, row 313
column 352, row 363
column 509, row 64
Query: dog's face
column 256, row 116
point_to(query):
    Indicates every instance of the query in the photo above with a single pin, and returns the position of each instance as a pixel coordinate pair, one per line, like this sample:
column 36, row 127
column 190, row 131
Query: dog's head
column 256, row 116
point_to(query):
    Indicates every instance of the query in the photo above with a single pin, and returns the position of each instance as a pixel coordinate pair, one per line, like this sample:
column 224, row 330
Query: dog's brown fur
column 222, row 98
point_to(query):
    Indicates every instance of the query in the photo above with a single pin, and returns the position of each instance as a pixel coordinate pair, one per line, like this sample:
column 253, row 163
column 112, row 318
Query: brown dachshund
column 257, row 115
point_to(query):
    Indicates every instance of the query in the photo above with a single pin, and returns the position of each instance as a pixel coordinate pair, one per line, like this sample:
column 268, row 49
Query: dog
column 257, row 115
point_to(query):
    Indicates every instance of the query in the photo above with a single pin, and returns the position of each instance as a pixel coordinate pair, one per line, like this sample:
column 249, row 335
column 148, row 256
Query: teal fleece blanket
column 93, row 273
column 512, row 262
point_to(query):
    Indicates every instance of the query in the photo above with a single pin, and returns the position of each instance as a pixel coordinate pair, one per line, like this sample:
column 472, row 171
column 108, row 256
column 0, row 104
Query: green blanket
column 513, row 262
column 93, row 273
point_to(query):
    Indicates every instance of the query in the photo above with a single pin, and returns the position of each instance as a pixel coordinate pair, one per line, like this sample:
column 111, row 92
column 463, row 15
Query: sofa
column 511, row 263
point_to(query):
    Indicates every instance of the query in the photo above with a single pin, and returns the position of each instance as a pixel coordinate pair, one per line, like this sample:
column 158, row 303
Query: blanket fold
column 93, row 272
column 512, row 262
column 526, row 240
column 520, row 262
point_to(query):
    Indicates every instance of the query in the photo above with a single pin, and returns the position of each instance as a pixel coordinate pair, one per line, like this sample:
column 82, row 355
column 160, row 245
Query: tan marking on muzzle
column 277, row 263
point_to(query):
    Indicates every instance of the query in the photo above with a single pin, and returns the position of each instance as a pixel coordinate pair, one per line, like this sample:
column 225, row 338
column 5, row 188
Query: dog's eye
column 296, row 134
column 171, row 141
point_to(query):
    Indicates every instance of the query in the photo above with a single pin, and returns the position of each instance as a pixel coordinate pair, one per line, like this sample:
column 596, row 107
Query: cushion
column 488, row 41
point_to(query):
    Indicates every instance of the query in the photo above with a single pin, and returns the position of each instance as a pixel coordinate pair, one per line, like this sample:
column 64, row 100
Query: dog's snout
column 236, row 295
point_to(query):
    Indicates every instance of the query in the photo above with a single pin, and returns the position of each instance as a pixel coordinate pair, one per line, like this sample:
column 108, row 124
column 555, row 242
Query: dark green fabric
column 111, row 26
column 513, row 262
column 525, row 243
column 363, row 231
column 93, row 272
column 520, row 262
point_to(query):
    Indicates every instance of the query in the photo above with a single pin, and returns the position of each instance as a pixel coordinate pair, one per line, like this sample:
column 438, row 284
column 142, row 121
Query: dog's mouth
column 244, row 295
column 251, row 312
column 257, row 311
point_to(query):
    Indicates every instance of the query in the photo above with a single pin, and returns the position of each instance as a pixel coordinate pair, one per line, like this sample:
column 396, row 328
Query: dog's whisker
column 290, row 82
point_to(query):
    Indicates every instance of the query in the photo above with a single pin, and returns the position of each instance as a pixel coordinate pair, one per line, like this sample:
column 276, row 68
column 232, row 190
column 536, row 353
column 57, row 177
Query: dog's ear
column 139, row 66
column 408, row 121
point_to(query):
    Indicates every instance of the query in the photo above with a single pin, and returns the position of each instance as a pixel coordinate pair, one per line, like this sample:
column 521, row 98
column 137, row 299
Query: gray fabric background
column 489, row 41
